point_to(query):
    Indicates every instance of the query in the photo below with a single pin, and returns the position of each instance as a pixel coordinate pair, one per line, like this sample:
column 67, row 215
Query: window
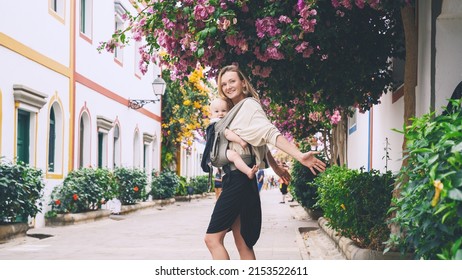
column 100, row 149
column 84, row 141
column 104, row 125
column 57, row 6
column 23, row 136
column 55, row 139
column 86, row 10
column 147, row 140
column 352, row 122
column 81, row 142
column 145, row 156
column 29, row 102
column 118, row 51
column 52, row 141
column 136, row 150
column 116, row 151
column 119, row 25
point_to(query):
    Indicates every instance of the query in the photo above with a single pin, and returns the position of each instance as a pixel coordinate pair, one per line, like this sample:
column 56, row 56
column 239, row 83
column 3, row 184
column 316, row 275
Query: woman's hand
column 309, row 160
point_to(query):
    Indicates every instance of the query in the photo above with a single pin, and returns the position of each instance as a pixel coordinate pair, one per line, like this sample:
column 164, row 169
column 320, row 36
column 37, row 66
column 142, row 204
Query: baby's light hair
column 218, row 99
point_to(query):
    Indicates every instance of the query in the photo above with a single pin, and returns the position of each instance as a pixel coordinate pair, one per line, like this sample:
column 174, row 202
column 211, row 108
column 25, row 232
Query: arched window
column 52, row 141
column 84, row 140
column 55, row 139
column 136, row 150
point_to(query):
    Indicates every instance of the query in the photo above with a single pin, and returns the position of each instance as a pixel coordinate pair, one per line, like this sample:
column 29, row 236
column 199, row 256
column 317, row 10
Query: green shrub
column 302, row 187
column 21, row 189
column 132, row 184
column 182, row 188
column 429, row 208
column 200, row 184
column 83, row 190
column 165, row 185
column 356, row 204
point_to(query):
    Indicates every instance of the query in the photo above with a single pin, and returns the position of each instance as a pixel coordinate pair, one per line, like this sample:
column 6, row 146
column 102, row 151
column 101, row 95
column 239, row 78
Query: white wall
column 423, row 88
column 449, row 51
column 32, row 24
column 35, row 51
column 358, row 143
column 387, row 116
column 190, row 165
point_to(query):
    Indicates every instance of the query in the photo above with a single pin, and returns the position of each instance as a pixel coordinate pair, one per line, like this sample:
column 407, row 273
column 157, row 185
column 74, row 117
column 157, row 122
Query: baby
column 219, row 108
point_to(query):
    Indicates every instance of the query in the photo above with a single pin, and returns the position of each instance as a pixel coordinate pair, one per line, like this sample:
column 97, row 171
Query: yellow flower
column 438, row 188
column 181, row 120
column 197, row 105
column 343, row 206
column 187, row 102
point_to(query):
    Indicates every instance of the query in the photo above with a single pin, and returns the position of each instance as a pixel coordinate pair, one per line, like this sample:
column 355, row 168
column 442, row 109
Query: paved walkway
column 174, row 232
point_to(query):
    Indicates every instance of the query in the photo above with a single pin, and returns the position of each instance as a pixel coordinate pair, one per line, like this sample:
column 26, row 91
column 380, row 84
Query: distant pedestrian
column 218, row 182
column 284, row 184
column 271, row 182
column 260, row 179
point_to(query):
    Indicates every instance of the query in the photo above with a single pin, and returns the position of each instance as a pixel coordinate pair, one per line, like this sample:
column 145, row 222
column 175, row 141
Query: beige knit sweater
column 253, row 126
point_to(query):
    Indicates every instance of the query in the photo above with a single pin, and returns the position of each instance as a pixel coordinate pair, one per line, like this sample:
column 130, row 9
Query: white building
column 439, row 72
column 63, row 104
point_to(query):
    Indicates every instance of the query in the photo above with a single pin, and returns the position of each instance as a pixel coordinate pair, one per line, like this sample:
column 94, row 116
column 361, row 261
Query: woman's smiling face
column 232, row 86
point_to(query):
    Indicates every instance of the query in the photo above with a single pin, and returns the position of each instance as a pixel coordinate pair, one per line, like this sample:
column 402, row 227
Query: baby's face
column 219, row 109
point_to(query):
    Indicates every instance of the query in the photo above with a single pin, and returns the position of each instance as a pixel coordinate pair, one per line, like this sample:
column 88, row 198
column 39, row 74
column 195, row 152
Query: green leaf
column 202, row 34
column 433, row 171
column 457, row 148
column 455, row 194
column 212, row 30
column 422, row 150
column 433, row 159
column 445, row 217
column 200, row 52
column 457, row 180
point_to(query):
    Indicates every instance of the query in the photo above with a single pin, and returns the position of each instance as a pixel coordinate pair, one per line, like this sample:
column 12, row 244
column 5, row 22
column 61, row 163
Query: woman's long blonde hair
column 250, row 90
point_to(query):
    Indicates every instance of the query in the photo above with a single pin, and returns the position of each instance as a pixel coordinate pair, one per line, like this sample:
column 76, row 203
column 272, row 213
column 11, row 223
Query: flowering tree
column 301, row 126
column 184, row 113
column 334, row 51
column 288, row 47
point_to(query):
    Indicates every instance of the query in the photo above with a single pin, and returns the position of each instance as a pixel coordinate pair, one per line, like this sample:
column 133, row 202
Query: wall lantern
column 158, row 87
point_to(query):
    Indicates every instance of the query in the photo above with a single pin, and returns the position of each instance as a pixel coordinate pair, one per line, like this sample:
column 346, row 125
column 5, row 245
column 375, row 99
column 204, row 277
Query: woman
column 238, row 207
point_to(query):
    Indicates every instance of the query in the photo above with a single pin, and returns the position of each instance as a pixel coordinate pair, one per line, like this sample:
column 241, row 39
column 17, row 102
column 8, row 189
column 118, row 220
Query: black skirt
column 239, row 198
